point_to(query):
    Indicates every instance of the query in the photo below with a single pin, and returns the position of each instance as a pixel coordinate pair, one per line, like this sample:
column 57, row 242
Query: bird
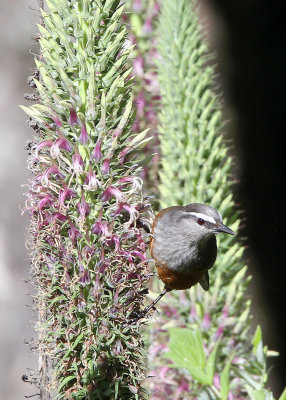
column 183, row 246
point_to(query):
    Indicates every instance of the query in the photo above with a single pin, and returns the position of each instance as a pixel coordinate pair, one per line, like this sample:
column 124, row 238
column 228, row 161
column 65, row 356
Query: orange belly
column 173, row 280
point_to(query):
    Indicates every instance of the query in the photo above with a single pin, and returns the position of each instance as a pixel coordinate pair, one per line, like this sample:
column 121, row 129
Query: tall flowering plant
column 141, row 18
column 86, row 206
column 202, row 345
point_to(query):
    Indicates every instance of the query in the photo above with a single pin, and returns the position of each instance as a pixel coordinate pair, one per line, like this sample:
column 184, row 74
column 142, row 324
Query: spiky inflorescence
column 141, row 17
column 85, row 201
column 223, row 360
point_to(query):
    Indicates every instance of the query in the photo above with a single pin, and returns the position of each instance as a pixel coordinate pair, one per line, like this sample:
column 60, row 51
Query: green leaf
column 57, row 299
column 126, row 114
column 108, row 5
column 283, row 395
column 65, row 381
column 83, row 151
column 257, row 338
column 138, row 139
column 224, row 381
column 211, row 362
column 136, row 24
column 247, row 377
column 258, row 345
column 76, row 342
column 186, row 351
column 262, row 394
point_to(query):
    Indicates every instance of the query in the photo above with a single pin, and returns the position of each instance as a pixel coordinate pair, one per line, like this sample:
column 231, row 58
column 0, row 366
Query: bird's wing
column 204, row 282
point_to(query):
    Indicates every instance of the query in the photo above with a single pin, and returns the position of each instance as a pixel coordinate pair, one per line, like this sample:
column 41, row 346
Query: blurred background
column 248, row 40
column 17, row 25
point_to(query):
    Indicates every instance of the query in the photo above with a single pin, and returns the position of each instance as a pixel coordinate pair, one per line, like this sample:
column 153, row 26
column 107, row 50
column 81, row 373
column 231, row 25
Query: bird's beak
column 224, row 229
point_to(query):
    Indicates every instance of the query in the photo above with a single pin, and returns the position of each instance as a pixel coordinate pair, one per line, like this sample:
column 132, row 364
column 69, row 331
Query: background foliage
column 224, row 360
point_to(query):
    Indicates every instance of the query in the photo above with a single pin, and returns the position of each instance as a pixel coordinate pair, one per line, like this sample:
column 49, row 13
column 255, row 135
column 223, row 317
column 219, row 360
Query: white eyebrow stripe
column 204, row 216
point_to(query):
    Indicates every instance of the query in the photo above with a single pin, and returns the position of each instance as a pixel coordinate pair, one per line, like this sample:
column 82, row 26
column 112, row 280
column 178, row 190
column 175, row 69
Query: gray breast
column 183, row 252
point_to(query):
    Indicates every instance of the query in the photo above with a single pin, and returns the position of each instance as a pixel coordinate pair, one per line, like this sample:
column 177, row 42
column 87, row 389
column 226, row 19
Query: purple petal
column 74, row 233
column 206, row 321
column 61, row 143
column 83, row 135
column 65, row 194
column 138, row 65
column 105, row 168
column 112, row 191
column 84, row 277
column 140, row 102
column 83, row 208
column 44, row 143
column 46, row 201
column 91, row 181
column 97, row 154
column 100, row 228
column 57, row 121
column 77, row 163
column 147, row 27
column 137, row 6
column 73, row 117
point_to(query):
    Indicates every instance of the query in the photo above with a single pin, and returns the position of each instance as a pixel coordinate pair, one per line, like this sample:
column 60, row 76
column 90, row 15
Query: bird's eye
column 200, row 221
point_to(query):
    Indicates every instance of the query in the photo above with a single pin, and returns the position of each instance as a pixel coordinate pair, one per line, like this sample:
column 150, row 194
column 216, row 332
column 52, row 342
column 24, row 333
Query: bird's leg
column 147, row 309
column 143, row 313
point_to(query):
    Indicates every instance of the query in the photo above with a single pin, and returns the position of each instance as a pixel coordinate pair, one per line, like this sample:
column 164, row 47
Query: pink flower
column 137, row 6
column 88, row 252
column 57, row 216
column 73, row 117
column 138, row 65
column 105, row 168
column 97, row 154
column 57, row 121
column 83, row 207
column 112, row 191
column 74, row 233
column 91, row 181
column 217, row 381
column 147, row 27
column 183, row 387
column 44, row 143
column 206, row 321
column 126, row 179
column 150, row 113
column 138, row 254
column 117, row 132
column 84, row 277
column 225, row 312
column 140, row 103
column 116, row 240
column 50, row 171
column 45, row 201
column 156, row 9
column 133, row 213
column 100, row 228
column 122, row 154
column 77, row 164
column 219, row 332
column 83, row 135
column 61, row 143
column 65, row 194
column 193, row 314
